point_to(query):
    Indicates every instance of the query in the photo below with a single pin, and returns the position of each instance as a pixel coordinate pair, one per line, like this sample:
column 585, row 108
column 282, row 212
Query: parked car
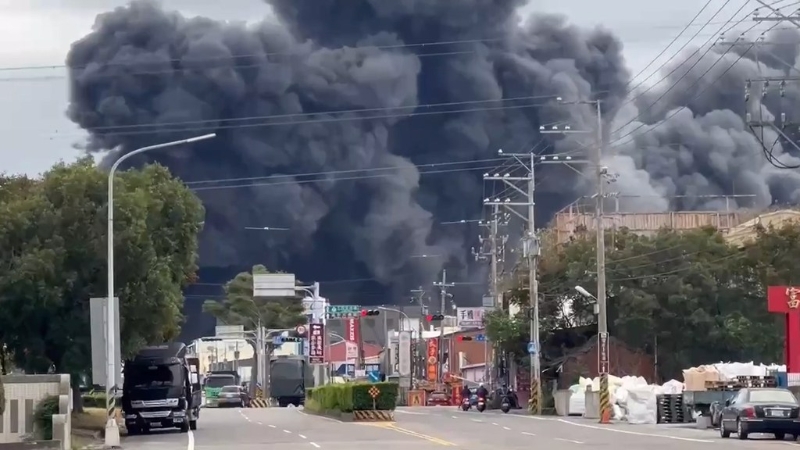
column 233, row 396
column 761, row 410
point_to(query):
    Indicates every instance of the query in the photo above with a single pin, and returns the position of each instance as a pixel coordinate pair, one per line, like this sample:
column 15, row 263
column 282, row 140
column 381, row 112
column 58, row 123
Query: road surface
column 426, row 429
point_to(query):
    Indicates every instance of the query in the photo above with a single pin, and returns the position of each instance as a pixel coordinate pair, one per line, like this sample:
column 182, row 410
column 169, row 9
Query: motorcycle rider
column 482, row 392
column 466, row 392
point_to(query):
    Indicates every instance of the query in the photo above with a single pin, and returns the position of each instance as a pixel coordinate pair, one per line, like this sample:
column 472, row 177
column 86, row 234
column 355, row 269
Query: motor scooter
column 481, row 406
column 505, row 404
column 465, row 404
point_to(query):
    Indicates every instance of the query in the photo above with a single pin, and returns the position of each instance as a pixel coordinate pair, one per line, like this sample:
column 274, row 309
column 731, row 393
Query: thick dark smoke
column 694, row 145
column 143, row 68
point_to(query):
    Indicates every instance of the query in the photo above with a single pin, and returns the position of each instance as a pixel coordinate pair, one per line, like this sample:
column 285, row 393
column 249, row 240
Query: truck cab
column 161, row 389
column 215, row 381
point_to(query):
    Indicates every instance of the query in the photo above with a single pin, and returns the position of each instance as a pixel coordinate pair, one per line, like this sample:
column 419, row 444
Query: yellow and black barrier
column 259, row 403
column 534, row 403
column 605, row 400
column 373, row 416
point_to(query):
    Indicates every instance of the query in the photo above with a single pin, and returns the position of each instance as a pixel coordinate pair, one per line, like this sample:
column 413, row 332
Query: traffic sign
column 602, row 354
column 374, row 392
column 532, row 348
column 480, row 338
column 342, row 311
column 300, row 330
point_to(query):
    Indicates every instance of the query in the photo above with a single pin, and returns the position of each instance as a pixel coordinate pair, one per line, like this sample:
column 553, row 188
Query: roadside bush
column 386, row 400
column 94, row 400
column 350, row 397
column 43, row 417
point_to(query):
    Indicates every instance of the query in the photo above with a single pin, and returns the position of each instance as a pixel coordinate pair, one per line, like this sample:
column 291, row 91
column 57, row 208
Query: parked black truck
column 161, row 389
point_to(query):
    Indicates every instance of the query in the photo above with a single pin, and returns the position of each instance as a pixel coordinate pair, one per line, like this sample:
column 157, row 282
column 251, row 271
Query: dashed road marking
column 302, row 436
column 568, row 440
column 259, row 423
column 496, row 424
column 272, row 426
column 506, row 428
column 477, row 420
column 454, row 417
column 314, row 444
column 287, row 431
column 528, row 434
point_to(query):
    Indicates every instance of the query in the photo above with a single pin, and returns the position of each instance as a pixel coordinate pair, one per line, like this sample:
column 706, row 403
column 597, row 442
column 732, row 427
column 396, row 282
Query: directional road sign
column 532, row 348
column 342, row 311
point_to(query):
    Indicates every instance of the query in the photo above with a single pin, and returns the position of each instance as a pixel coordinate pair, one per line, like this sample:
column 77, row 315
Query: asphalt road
column 280, row 429
column 473, row 430
column 427, row 429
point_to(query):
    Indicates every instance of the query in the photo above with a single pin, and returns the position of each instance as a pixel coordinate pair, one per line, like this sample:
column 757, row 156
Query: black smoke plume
column 146, row 75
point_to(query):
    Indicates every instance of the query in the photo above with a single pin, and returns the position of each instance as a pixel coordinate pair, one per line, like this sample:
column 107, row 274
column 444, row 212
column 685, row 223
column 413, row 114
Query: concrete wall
column 23, row 393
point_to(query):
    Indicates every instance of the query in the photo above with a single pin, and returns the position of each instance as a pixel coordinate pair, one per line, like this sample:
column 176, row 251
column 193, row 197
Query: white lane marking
column 635, row 433
column 314, row 444
column 506, row 428
column 568, row 440
column 287, row 431
column 319, row 417
column 272, row 426
column 416, row 413
column 528, row 434
column 495, row 424
column 259, row 423
column 302, row 437
column 454, row 417
column 190, row 444
column 477, row 420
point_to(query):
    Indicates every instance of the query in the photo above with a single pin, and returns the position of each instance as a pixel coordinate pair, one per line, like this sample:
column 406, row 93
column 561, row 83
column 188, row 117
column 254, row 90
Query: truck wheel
column 185, row 426
column 780, row 436
column 192, row 425
column 133, row 431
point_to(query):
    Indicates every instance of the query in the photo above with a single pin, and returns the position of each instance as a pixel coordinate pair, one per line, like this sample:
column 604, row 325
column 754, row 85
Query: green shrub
column 352, row 396
column 2, row 397
column 386, row 400
column 43, row 417
column 94, row 400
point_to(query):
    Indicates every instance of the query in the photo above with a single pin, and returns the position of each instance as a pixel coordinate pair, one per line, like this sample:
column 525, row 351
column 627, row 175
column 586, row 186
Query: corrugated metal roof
column 746, row 231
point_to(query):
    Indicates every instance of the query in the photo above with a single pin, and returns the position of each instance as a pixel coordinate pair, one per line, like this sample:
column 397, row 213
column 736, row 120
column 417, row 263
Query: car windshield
column 230, row 389
column 772, row 396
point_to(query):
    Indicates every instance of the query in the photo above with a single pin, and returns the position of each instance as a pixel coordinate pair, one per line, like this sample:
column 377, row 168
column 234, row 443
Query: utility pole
column 493, row 255
column 442, row 285
column 532, row 252
column 418, row 297
column 601, row 174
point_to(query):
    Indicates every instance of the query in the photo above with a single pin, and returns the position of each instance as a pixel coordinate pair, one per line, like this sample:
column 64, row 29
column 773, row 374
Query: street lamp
column 112, row 431
column 586, row 294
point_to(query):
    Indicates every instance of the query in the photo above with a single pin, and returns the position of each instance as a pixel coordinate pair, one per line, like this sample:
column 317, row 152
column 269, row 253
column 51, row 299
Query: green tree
column 53, row 254
column 240, row 307
column 691, row 294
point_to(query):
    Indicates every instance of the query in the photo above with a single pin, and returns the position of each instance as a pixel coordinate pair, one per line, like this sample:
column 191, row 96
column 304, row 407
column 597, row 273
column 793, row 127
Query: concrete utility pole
column 601, row 175
column 532, row 252
column 418, row 297
column 442, row 285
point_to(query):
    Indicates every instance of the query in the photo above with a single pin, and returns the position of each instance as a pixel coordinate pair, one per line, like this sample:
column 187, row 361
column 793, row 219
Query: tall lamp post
column 112, row 430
